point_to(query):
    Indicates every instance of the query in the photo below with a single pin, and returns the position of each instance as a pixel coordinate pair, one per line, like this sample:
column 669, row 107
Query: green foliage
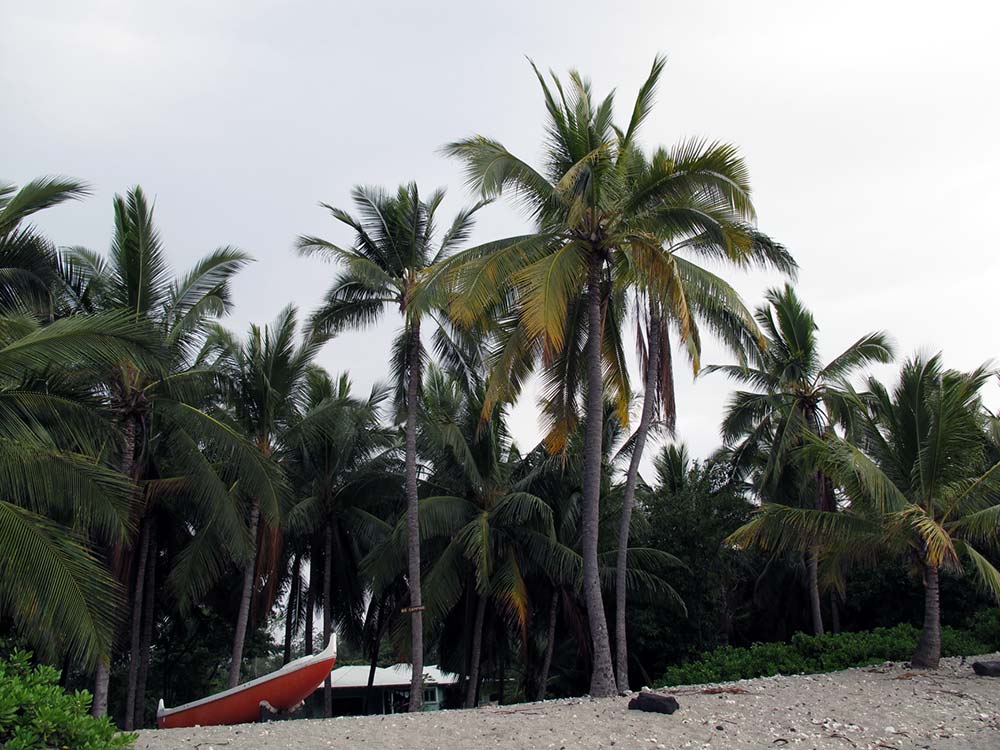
column 985, row 627
column 807, row 654
column 36, row 713
column 690, row 513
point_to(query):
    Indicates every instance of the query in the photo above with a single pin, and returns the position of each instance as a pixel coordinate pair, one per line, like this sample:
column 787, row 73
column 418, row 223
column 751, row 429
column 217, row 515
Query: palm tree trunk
column 327, row 605
column 102, row 675
column 602, row 679
column 378, row 621
column 550, row 647
column 135, row 628
column 243, row 618
column 477, row 651
column 64, row 673
column 628, row 501
column 310, row 605
column 812, row 562
column 928, row 653
column 824, row 502
column 149, row 616
column 291, row 606
column 102, row 678
column 370, row 688
column 373, row 665
column 413, row 521
column 501, row 680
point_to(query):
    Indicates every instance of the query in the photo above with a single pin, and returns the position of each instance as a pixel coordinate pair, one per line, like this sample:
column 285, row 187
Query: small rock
column 654, row 702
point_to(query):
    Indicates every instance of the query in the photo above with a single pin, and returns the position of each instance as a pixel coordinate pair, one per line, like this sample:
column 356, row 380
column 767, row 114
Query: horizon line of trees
column 152, row 458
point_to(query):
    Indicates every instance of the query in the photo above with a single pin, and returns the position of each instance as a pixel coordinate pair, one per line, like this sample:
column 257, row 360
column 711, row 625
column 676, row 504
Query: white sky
column 870, row 129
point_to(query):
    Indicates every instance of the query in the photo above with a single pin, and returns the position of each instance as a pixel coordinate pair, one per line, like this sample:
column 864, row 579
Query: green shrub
column 36, row 713
column 985, row 627
column 807, row 654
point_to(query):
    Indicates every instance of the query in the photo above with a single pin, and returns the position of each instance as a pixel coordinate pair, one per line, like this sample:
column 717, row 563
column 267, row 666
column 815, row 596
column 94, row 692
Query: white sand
column 880, row 707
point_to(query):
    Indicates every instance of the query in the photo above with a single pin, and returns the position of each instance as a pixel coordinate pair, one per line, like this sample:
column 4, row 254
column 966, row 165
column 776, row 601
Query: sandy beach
column 888, row 706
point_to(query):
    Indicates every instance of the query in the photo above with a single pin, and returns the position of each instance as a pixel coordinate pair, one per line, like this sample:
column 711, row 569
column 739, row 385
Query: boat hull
column 282, row 690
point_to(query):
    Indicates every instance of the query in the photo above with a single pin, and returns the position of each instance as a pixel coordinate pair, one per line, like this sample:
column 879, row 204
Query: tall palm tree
column 918, row 483
column 393, row 262
column 602, row 214
column 796, row 396
column 483, row 518
column 706, row 302
column 165, row 397
column 266, row 377
column 342, row 470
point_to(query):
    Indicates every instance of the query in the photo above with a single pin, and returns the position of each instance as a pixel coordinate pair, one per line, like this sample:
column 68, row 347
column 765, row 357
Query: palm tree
column 918, row 483
column 160, row 407
column 31, row 275
column 603, row 215
column 390, row 263
column 796, row 396
column 483, row 518
column 342, row 470
column 266, row 377
column 706, row 302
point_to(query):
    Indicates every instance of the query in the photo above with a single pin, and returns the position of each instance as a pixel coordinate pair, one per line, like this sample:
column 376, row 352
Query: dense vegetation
column 806, row 654
column 180, row 505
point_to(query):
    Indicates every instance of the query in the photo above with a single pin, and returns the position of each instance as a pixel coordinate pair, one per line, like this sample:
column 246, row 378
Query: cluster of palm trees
column 148, row 449
column 848, row 477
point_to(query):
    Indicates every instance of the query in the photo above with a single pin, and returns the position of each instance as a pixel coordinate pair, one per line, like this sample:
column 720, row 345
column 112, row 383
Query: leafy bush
column 985, row 627
column 807, row 654
column 36, row 713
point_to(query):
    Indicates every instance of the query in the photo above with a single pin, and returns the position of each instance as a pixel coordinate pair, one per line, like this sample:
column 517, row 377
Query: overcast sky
column 870, row 128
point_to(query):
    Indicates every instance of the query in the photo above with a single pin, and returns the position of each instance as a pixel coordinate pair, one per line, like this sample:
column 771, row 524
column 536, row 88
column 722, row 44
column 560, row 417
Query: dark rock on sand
column 986, row 668
column 653, row 702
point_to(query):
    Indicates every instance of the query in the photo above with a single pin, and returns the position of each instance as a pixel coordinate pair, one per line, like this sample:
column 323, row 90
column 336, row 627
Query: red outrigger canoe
column 281, row 690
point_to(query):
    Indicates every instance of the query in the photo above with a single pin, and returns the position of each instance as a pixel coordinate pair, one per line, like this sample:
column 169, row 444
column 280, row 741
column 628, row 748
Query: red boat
column 280, row 691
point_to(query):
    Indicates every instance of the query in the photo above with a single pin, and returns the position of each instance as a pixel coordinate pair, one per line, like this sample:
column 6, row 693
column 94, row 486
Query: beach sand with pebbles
column 888, row 706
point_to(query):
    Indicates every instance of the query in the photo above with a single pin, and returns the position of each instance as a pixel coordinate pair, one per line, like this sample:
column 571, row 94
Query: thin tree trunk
column 148, row 618
column 102, row 678
column 413, row 522
column 379, row 620
column 602, row 679
column 628, row 501
column 292, row 605
column 928, row 653
column 64, row 673
column 812, row 562
column 327, row 604
column 477, row 651
column 834, row 612
column 310, row 605
column 135, row 628
column 243, row 618
column 102, row 675
column 824, row 502
column 370, row 689
column 501, row 679
column 550, row 647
